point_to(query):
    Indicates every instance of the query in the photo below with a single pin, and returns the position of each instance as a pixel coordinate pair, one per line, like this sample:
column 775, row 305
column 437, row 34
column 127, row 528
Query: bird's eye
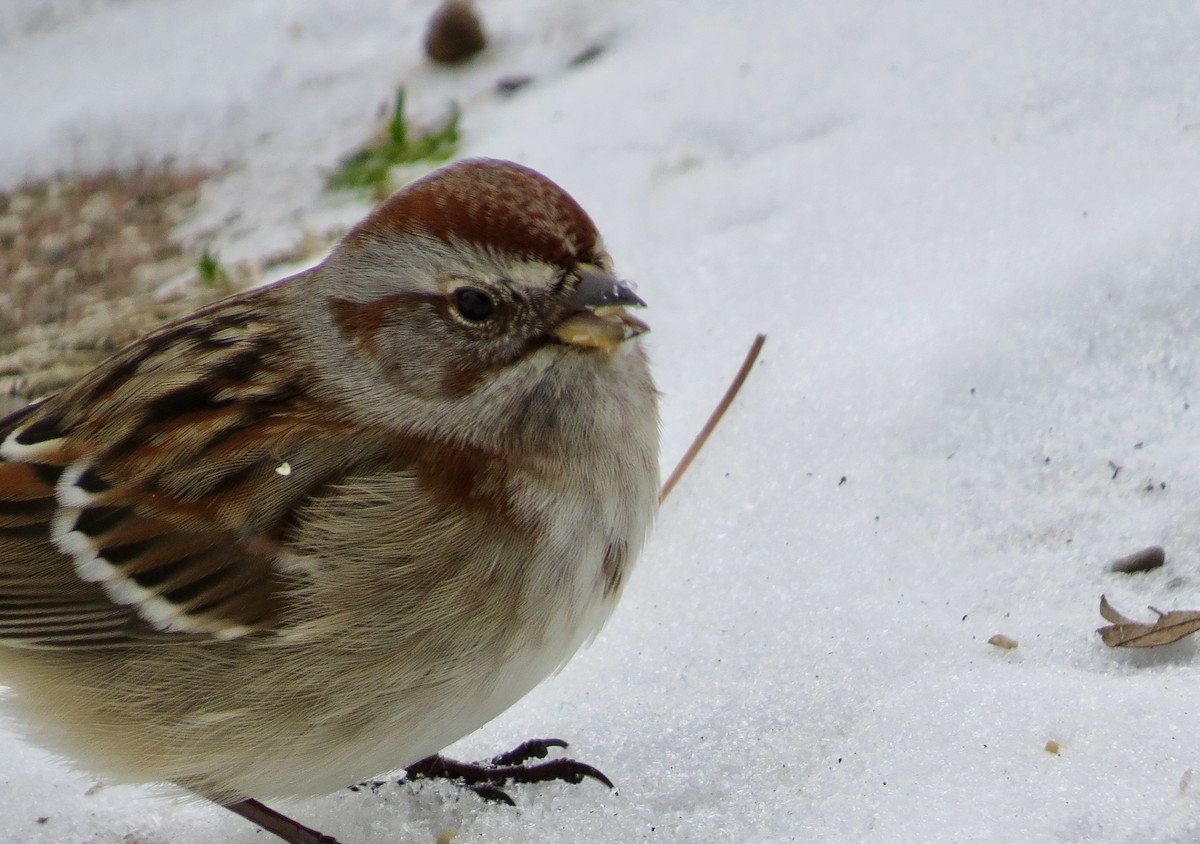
column 473, row 304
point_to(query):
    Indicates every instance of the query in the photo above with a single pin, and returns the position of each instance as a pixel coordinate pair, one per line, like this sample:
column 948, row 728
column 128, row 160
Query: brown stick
column 714, row 418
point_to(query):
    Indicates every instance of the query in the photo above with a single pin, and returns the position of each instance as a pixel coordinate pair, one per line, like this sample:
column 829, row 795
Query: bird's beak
column 596, row 316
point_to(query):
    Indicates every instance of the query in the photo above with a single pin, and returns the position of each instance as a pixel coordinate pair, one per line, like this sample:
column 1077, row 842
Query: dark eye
column 473, row 304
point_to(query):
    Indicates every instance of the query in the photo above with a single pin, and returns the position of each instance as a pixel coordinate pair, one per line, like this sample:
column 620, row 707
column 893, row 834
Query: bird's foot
column 485, row 778
column 279, row 824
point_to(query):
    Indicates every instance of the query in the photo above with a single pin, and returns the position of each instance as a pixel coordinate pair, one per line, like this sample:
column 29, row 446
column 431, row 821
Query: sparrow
column 324, row 528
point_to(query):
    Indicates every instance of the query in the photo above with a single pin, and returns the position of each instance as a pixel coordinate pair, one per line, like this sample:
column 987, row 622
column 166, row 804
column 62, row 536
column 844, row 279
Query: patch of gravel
column 81, row 259
column 90, row 263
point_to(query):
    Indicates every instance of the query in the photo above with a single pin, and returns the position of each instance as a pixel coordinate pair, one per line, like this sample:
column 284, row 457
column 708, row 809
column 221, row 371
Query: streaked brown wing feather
column 152, row 498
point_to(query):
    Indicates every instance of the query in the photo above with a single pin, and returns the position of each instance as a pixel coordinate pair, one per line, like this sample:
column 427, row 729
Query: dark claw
column 533, row 749
column 492, row 794
column 564, row 770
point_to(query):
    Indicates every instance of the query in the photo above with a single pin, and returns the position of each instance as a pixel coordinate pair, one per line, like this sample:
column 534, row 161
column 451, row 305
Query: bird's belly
column 386, row 721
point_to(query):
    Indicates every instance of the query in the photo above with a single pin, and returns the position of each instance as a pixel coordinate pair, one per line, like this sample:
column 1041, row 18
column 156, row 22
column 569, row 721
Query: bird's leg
column 485, row 778
column 278, row 824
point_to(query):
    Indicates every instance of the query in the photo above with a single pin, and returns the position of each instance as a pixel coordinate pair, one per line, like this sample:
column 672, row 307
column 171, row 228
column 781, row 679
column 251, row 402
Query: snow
column 971, row 232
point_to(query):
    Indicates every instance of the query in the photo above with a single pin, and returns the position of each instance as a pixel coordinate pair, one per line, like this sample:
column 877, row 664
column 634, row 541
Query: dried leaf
column 1124, row 632
column 1110, row 614
column 1003, row 642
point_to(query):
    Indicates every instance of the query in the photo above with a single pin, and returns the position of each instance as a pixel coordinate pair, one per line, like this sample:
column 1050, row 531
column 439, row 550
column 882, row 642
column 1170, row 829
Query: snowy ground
column 972, row 233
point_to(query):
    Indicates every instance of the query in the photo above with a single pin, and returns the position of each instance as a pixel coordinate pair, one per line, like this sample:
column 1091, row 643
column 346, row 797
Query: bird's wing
column 153, row 499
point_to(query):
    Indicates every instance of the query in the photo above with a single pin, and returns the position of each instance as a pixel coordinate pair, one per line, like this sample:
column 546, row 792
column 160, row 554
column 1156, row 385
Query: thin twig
column 718, row 412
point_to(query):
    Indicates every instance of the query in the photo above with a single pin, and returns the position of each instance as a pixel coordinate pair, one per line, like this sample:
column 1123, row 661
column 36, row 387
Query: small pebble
column 1145, row 560
column 63, row 278
column 511, row 84
column 1003, row 642
column 97, row 208
column 22, row 203
column 588, row 54
column 455, row 33
column 53, row 247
